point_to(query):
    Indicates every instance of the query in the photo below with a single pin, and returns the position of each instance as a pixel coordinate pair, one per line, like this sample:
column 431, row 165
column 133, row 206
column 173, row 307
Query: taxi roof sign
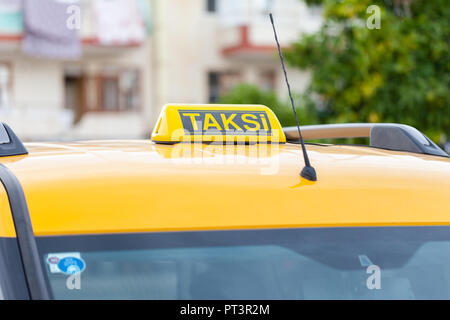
column 217, row 123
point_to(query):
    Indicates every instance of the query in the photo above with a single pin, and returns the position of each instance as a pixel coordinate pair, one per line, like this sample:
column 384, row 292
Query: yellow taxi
column 213, row 206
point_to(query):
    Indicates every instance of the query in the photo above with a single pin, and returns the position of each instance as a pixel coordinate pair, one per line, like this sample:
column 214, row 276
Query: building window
column 267, row 80
column 110, row 90
column 211, row 5
column 73, row 95
column 110, row 94
column 267, row 6
column 119, row 90
column 129, row 97
column 5, row 85
column 221, row 83
column 213, row 83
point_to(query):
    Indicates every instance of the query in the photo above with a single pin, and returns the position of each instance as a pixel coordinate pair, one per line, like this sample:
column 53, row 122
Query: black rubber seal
column 34, row 274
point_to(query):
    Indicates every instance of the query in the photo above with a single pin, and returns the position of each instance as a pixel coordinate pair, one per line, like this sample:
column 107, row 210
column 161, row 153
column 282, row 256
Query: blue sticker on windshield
column 71, row 265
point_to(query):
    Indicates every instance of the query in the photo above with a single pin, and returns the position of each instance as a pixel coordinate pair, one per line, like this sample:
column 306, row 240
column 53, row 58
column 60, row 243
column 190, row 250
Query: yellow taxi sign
column 217, row 123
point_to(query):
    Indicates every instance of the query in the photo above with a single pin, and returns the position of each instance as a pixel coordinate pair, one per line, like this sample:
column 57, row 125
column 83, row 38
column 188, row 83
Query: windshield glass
column 328, row 263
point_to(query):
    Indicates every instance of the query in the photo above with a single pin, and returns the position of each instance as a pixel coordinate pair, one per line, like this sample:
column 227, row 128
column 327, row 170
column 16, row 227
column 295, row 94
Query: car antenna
column 308, row 171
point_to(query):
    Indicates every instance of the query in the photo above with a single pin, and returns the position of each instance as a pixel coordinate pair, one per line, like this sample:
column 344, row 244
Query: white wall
column 37, row 83
column 36, row 97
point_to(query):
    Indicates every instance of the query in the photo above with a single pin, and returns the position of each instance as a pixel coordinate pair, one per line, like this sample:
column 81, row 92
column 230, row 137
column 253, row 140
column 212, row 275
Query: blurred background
column 103, row 69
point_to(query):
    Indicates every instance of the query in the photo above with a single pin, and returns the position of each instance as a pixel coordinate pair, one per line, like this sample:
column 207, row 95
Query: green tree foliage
column 398, row 73
column 250, row 94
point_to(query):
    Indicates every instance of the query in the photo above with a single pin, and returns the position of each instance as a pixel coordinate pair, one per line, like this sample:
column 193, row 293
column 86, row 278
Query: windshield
column 328, row 263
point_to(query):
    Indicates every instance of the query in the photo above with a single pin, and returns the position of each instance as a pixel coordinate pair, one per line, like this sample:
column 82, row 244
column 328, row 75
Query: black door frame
column 26, row 242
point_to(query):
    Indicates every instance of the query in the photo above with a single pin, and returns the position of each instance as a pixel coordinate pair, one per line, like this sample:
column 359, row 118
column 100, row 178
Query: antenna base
column 309, row 173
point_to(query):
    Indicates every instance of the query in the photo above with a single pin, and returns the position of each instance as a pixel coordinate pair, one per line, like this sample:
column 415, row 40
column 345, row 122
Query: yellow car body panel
column 139, row 186
column 7, row 229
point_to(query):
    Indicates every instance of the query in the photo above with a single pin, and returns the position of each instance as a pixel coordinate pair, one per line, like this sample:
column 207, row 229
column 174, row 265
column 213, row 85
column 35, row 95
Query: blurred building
column 100, row 94
column 135, row 56
column 202, row 48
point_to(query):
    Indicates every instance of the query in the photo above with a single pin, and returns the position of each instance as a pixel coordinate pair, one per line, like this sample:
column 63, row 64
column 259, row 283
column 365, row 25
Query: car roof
column 139, row 186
